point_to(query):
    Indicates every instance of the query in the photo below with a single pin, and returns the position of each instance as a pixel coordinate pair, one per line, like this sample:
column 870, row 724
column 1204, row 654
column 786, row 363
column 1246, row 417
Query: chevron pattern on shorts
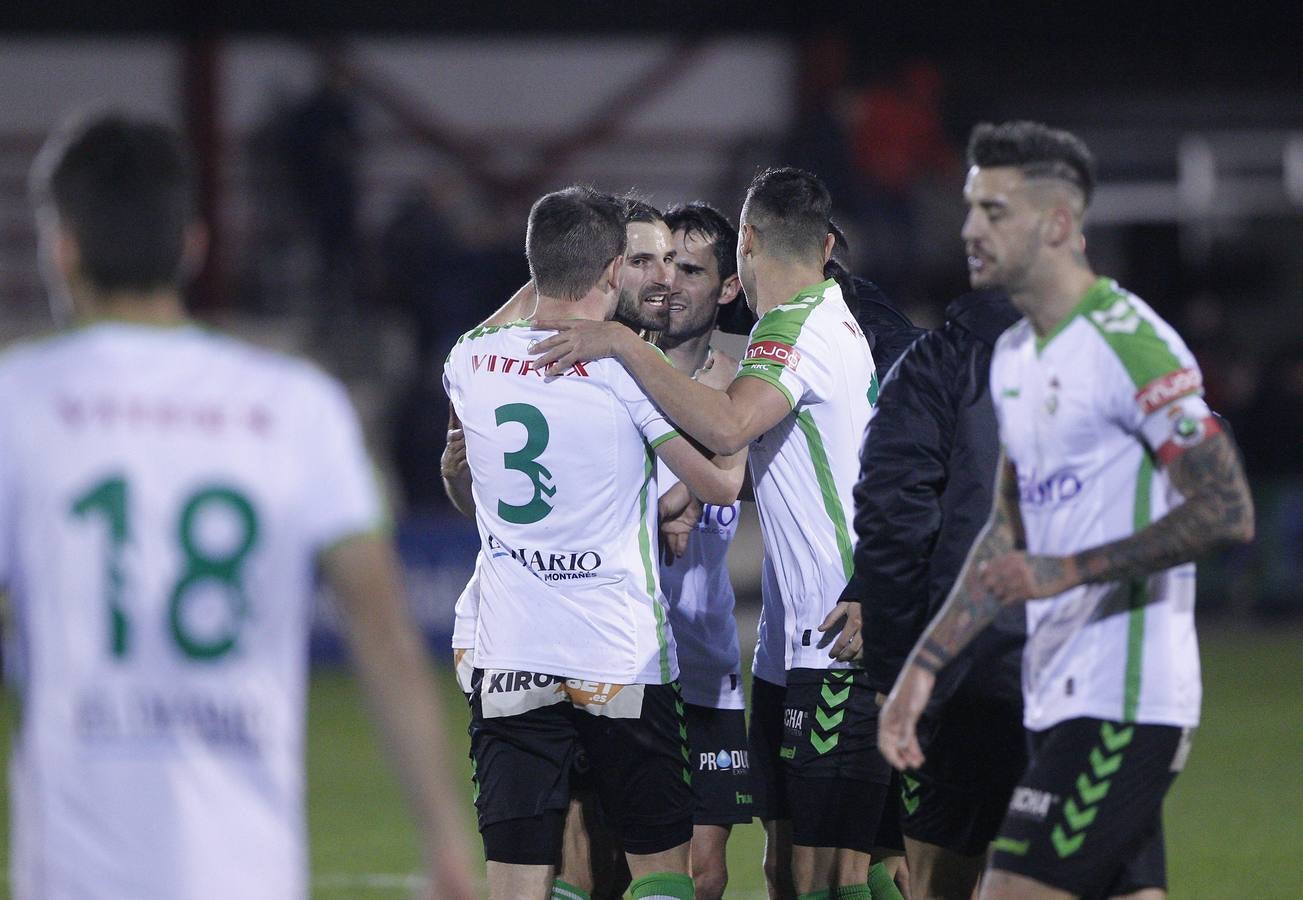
column 1080, row 810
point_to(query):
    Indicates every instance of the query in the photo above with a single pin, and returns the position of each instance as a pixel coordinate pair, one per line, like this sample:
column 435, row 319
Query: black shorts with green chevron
column 1086, row 815
column 835, row 778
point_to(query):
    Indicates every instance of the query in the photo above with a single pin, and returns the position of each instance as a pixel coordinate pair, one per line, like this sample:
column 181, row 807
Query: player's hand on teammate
column 679, row 513
column 898, row 719
column 843, row 626
column 453, row 462
column 576, row 340
column 1016, row 577
column 718, row 372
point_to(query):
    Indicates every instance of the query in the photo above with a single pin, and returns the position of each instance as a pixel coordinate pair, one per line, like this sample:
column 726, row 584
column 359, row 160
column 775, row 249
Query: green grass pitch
column 1234, row 819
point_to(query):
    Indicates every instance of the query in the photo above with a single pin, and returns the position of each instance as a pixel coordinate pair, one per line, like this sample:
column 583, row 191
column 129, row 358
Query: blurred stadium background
column 367, row 172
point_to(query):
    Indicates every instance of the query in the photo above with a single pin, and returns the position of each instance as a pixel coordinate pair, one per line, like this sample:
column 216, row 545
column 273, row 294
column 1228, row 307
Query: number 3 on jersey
column 202, row 567
column 525, row 460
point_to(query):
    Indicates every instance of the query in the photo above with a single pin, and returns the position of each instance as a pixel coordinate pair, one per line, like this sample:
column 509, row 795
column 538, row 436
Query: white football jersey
column 164, row 493
column 1084, row 414
column 700, row 599
column 564, row 481
column 804, row 468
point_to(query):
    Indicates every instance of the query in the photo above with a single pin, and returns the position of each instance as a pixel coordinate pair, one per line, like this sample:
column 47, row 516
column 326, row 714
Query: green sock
column 663, row 886
column 563, row 891
column 815, row 895
column 853, row 892
column 882, row 885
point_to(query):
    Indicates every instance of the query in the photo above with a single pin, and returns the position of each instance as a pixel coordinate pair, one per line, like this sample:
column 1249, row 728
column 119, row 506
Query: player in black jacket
column 927, row 473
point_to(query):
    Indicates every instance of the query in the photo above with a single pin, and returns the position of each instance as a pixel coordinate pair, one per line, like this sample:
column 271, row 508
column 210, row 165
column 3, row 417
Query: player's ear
column 610, row 280
column 1061, row 225
column 194, row 248
column 829, row 241
column 65, row 252
column 746, row 240
column 728, row 290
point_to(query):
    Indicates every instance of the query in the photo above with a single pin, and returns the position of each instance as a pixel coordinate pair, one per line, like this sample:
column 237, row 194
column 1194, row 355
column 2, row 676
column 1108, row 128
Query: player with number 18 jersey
column 195, row 479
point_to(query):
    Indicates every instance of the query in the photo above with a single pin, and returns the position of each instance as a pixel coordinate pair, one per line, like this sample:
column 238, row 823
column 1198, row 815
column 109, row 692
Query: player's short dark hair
column 1037, row 150
column 572, row 235
column 123, row 187
column 699, row 217
column 636, row 209
column 790, row 208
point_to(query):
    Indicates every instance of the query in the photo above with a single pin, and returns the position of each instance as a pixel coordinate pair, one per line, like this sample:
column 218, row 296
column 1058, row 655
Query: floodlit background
column 367, row 182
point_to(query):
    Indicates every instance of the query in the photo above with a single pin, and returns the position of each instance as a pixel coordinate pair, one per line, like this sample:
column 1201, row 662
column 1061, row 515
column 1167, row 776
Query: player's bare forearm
column 458, row 489
column 1217, row 512
column 716, row 419
column 706, row 414
column 395, row 673
column 970, row 607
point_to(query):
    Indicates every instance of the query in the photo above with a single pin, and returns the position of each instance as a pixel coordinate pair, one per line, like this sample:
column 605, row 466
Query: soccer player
column 927, row 468
column 1114, row 478
column 164, row 495
column 696, row 585
column 571, row 649
column 800, row 400
column 644, row 277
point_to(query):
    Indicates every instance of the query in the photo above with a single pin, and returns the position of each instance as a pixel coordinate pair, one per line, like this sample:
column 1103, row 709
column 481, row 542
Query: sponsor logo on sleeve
column 1172, row 386
column 775, row 352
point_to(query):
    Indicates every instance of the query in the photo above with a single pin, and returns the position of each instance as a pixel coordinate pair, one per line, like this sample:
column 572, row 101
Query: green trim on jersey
column 832, row 503
column 768, row 377
column 484, row 330
column 649, row 566
column 1139, row 598
column 1089, row 300
column 1139, row 347
column 784, row 323
column 663, row 438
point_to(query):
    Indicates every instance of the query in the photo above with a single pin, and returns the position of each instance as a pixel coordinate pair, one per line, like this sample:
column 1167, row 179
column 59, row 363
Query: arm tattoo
column 970, row 608
column 1218, row 511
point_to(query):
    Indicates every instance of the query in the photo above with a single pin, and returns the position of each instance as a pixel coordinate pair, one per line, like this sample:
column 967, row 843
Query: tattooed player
column 1114, row 477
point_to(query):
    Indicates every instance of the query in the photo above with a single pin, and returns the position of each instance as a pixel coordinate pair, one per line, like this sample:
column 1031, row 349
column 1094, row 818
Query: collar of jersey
column 1094, row 296
column 814, row 290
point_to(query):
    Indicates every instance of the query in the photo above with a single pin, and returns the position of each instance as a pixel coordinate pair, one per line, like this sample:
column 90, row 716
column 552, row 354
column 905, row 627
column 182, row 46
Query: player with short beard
column 800, row 401
column 568, row 655
column 696, row 584
column 1114, row 477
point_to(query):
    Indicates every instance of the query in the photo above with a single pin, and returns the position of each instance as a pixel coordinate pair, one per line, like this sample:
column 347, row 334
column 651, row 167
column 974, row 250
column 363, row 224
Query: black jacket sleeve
column 898, row 508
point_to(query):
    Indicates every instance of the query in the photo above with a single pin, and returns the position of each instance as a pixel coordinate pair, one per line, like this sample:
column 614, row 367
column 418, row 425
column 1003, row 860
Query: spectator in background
column 1229, row 373
column 442, row 254
column 323, row 145
column 1272, row 432
column 896, row 141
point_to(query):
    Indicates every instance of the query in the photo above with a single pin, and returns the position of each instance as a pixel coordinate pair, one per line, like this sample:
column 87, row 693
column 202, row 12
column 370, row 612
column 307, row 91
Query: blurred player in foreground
column 1114, row 477
column 164, row 495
